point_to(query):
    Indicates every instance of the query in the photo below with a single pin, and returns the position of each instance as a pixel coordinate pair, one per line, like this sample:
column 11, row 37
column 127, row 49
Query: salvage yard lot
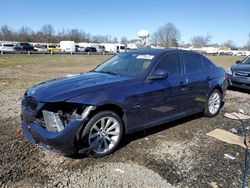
column 176, row 154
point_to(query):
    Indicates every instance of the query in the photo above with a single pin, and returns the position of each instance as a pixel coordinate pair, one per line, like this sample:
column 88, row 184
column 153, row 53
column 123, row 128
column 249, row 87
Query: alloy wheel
column 104, row 134
column 214, row 103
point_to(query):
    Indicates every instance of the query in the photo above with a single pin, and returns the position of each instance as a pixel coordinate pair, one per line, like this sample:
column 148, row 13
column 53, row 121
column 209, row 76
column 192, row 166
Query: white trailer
column 210, row 50
column 110, row 47
column 68, row 46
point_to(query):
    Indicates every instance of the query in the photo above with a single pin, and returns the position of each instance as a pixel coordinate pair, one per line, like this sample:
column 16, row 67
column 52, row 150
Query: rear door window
column 207, row 64
column 192, row 62
column 170, row 63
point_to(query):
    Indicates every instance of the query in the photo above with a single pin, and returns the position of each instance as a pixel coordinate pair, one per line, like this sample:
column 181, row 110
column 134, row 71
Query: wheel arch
column 219, row 88
column 105, row 107
column 115, row 108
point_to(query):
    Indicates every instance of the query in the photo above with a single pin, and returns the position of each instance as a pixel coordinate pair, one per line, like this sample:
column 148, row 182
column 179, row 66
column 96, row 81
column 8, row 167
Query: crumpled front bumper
column 62, row 142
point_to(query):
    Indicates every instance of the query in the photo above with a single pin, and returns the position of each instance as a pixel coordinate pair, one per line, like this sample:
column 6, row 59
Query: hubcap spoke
column 96, row 128
column 105, row 143
column 112, row 127
column 93, row 135
column 107, row 124
column 102, row 123
column 114, row 133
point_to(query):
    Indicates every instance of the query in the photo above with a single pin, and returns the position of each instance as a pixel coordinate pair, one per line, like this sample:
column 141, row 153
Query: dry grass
column 21, row 71
column 18, row 71
column 224, row 61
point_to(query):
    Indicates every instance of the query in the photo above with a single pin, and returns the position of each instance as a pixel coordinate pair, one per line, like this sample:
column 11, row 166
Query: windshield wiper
column 107, row 72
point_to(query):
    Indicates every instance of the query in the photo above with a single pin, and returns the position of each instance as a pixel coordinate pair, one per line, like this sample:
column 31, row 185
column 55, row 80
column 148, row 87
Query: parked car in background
column 239, row 74
column 54, row 48
column 80, row 48
column 90, row 49
column 91, row 112
column 40, row 47
column 99, row 48
column 6, row 47
column 24, row 46
column 67, row 46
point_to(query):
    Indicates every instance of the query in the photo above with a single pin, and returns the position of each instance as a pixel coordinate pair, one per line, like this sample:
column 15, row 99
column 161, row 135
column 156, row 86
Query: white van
column 68, row 46
column 6, row 47
column 109, row 47
column 120, row 48
column 114, row 47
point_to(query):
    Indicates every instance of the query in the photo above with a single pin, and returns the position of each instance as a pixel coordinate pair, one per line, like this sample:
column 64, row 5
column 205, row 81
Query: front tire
column 213, row 103
column 104, row 133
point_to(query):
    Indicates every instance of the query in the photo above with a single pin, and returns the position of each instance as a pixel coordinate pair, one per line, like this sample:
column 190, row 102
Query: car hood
column 70, row 86
column 241, row 67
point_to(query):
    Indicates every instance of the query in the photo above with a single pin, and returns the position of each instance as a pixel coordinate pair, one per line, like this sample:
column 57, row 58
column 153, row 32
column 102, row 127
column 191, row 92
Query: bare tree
column 248, row 43
column 115, row 40
column 229, row 44
column 75, row 35
column 26, row 34
column 124, row 40
column 6, row 33
column 200, row 41
column 167, row 35
column 48, row 31
column 48, row 34
column 155, row 39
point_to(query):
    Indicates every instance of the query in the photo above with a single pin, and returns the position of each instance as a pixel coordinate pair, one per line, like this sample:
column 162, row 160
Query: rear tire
column 104, row 133
column 213, row 103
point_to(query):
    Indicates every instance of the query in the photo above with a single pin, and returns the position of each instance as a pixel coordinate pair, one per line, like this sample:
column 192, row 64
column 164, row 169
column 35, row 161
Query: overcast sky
column 222, row 19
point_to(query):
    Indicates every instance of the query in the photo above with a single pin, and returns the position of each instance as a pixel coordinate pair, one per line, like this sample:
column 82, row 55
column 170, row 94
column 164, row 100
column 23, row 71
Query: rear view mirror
column 159, row 74
column 238, row 62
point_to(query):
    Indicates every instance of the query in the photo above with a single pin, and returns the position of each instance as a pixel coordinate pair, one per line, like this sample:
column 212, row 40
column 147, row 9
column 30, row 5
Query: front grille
column 32, row 103
column 242, row 74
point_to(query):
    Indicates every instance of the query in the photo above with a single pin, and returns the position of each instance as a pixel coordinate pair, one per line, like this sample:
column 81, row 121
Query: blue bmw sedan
column 91, row 112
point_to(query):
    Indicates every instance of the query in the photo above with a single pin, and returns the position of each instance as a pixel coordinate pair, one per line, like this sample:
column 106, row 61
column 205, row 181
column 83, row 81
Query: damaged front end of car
column 55, row 126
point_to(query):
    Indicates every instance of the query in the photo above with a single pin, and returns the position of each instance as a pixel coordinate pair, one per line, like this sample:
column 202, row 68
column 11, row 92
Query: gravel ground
column 177, row 154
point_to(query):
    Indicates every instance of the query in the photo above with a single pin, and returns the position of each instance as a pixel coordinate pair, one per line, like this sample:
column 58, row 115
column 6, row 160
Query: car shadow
column 231, row 88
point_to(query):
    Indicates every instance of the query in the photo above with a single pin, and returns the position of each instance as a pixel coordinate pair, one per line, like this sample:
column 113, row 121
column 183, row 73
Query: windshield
column 132, row 65
column 8, row 45
column 246, row 60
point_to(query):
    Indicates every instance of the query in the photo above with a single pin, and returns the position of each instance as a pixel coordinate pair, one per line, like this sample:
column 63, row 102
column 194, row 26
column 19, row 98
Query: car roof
column 154, row 51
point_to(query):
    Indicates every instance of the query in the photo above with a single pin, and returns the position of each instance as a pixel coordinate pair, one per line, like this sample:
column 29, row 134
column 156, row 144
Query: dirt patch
column 109, row 175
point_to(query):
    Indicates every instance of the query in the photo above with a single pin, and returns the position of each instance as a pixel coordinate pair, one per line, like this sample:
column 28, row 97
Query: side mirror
column 159, row 74
column 238, row 62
